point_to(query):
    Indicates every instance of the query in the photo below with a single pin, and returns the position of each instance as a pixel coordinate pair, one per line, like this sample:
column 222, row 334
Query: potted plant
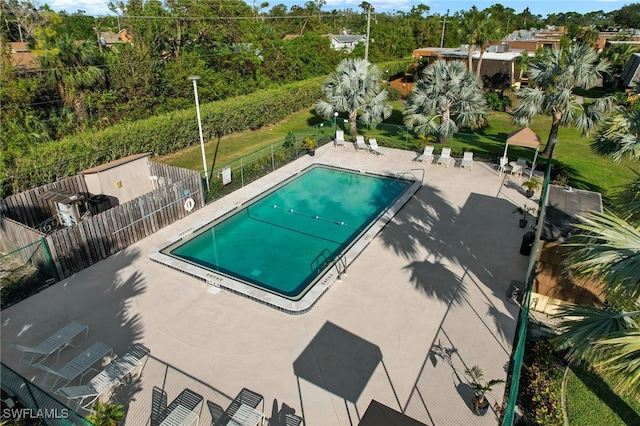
column 523, row 210
column 105, row 414
column 310, row 145
column 531, row 186
column 480, row 387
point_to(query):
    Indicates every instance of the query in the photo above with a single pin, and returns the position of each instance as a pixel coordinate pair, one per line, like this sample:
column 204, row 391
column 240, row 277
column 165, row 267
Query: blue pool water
column 282, row 241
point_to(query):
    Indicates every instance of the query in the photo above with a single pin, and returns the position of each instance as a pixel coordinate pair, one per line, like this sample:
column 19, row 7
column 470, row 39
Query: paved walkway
column 425, row 299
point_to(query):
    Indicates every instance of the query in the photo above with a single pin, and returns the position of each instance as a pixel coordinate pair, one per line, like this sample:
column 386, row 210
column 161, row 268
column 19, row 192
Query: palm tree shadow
column 435, row 280
column 421, row 223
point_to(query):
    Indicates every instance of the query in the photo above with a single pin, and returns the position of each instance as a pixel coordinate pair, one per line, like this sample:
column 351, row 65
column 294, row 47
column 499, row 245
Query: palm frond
column 620, row 360
column 607, row 247
column 583, row 326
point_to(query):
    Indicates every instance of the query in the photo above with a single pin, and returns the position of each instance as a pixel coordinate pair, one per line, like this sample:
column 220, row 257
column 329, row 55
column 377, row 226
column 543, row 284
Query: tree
column 606, row 249
column 489, row 30
column 619, row 135
column 471, row 21
column 447, row 97
column 628, row 16
column 552, row 77
column 354, row 88
column 72, row 66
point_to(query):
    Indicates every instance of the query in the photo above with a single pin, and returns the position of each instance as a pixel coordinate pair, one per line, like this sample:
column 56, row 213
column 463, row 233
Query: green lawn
column 586, row 170
column 590, row 401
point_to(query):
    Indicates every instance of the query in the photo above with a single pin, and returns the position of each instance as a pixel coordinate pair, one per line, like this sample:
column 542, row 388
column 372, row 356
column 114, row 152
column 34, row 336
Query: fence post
column 47, row 255
column 273, row 161
column 241, row 172
column 406, row 137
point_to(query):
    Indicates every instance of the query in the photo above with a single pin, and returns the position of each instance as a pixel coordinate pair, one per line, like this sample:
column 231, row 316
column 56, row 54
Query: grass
column 590, row 401
column 585, row 169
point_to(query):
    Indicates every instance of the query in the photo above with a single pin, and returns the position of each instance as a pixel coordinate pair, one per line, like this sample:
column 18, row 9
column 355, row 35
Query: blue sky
column 538, row 7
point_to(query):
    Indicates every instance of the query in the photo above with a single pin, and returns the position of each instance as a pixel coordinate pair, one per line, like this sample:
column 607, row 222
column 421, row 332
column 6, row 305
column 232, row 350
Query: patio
column 424, row 300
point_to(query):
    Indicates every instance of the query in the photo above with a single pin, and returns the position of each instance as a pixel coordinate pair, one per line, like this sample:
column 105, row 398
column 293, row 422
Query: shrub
column 393, row 94
column 497, row 102
column 541, row 385
column 162, row 134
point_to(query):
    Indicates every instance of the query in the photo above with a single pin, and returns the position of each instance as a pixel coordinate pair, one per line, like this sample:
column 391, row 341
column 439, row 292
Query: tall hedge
column 160, row 135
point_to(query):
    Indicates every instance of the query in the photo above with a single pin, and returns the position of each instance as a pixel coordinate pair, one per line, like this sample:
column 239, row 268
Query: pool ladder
column 340, row 262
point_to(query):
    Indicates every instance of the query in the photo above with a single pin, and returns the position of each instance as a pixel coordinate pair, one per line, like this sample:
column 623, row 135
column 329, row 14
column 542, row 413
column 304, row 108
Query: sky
column 538, row 7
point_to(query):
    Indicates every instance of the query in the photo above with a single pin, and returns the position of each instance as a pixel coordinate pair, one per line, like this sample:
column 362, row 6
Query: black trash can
column 527, row 243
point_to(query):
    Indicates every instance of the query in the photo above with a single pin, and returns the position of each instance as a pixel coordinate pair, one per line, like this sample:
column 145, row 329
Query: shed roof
column 564, row 204
column 114, row 163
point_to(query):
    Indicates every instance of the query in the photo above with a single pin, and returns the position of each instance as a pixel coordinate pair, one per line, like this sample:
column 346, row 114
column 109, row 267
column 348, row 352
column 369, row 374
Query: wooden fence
column 76, row 247
column 28, row 208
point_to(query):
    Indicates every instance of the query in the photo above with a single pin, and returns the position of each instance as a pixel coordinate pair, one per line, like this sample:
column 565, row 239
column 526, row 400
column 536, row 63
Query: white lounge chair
column 339, row 140
column 374, row 148
column 105, row 380
column 54, row 343
column 361, row 144
column 467, row 160
column 182, row 410
column 445, row 157
column 77, row 366
column 427, row 154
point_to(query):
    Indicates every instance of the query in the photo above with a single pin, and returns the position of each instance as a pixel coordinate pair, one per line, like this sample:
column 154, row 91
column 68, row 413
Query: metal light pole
column 366, row 46
column 335, row 124
column 547, row 175
column 194, row 78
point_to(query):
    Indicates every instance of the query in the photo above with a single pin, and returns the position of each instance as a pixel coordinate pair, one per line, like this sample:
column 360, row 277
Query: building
column 499, row 63
column 534, row 39
column 23, row 58
column 346, row 42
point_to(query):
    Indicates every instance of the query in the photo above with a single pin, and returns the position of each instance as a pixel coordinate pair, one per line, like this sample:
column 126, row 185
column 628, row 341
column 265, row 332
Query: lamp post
column 194, row 78
column 547, row 176
column 335, row 124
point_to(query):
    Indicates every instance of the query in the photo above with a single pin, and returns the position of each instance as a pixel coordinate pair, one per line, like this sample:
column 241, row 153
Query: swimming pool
column 299, row 235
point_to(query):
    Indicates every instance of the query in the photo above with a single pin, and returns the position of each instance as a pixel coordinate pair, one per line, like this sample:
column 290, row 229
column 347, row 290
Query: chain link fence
column 25, row 403
column 25, row 271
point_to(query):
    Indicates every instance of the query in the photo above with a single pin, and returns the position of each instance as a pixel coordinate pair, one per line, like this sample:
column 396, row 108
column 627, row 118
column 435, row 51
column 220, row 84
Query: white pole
column 194, row 78
column 366, row 46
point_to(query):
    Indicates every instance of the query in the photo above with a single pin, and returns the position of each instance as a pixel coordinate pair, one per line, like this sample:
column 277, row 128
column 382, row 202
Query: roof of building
column 22, row 57
column 462, row 53
column 564, row 205
column 631, row 72
column 19, row 46
column 348, row 38
column 114, row 163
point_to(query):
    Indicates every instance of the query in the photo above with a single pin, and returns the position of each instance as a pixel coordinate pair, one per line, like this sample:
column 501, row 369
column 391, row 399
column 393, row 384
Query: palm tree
column 523, row 63
column 619, row 135
column 354, row 88
column 447, row 97
column 607, row 249
column 72, row 65
column 552, row 77
column 471, row 21
column 489, row 30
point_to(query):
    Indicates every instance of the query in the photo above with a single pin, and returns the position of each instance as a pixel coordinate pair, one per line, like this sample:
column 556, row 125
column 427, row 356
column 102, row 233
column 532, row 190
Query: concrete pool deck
column 424, row 300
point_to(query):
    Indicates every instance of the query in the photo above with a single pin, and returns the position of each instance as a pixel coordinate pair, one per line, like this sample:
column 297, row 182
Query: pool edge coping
column 325, row 280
